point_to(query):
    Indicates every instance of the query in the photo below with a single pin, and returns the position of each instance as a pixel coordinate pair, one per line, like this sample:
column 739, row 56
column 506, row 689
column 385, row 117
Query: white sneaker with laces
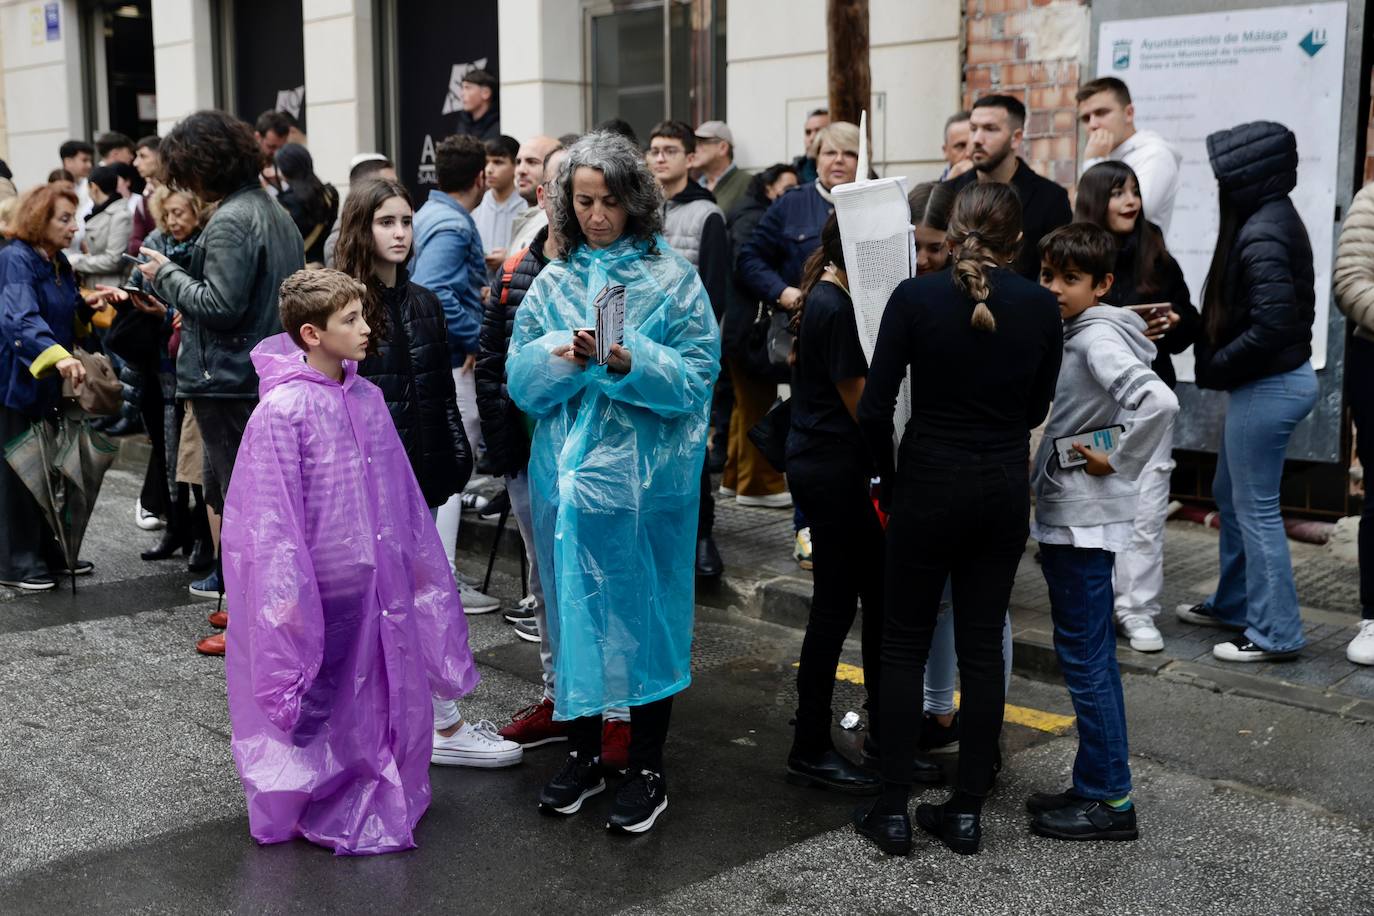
column 475, row 602
column 475, row 745
column 1361, row 648
column 1140, row 629
column 473, row 502
column 147, row 520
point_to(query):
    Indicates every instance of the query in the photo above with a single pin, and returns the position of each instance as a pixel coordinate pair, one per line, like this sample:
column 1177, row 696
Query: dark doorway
column 269, row 59
column 126, row 29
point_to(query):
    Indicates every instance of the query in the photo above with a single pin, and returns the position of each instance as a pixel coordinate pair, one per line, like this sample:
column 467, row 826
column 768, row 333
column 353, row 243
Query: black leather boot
column 961, row 832
column 176, row 536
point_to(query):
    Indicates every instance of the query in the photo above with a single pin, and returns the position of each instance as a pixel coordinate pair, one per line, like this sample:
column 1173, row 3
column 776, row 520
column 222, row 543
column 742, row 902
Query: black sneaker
column 638, row 803
column 82, row 568
column 1203, row 616
column 39, row 583
column 1241, row 649
column 576, row 782
column 1086, row 820
column 937, row 738
column 524, row 610
column 528, row 630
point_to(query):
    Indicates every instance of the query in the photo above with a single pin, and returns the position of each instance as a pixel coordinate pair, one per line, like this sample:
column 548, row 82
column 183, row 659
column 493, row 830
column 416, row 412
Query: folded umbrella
column 63, row 465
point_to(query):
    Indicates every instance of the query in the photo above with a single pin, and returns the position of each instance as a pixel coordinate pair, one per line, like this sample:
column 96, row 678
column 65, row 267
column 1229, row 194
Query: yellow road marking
column 1038, row 719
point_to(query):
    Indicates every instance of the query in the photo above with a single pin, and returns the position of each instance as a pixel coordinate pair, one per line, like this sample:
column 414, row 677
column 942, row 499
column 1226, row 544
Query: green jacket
column 731, row 188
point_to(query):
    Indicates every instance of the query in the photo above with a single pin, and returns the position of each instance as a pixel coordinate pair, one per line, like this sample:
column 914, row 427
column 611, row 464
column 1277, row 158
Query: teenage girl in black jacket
column 409, row 359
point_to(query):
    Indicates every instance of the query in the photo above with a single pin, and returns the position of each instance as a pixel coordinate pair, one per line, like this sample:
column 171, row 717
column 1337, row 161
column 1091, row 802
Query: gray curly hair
column 627, row 178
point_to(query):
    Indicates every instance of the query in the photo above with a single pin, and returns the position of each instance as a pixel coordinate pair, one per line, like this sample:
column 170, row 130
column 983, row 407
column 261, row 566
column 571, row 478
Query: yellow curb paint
column 1038, row 719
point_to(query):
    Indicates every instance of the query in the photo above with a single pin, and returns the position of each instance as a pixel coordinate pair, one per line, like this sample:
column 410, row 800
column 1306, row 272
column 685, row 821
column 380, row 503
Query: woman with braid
column 983, row 346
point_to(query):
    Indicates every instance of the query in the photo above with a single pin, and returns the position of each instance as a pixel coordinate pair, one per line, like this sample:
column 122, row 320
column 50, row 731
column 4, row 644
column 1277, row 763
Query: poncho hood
column 278, row 360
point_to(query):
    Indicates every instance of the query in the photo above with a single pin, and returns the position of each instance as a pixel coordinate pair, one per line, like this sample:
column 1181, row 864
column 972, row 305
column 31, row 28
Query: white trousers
column 1139, row 573
column 448, row 516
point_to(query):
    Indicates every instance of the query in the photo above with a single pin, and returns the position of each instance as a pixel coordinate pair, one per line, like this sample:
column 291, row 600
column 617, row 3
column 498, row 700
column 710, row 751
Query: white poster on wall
column 1192, row 75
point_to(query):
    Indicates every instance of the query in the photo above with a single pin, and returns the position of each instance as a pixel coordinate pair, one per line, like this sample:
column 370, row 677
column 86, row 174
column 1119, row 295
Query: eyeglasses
column 665, row 152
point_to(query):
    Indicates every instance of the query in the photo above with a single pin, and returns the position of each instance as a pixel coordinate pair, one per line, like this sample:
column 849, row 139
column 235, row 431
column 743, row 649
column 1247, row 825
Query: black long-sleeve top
column 1171, row 287
column 972, row 391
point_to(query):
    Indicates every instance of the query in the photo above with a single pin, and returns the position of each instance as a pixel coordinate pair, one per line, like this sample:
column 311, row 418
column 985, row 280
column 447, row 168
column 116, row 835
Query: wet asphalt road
column 120, row 795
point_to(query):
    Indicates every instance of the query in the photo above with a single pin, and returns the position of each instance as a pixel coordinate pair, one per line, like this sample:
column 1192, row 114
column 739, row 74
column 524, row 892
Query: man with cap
column 714, row 160
column 479, row 117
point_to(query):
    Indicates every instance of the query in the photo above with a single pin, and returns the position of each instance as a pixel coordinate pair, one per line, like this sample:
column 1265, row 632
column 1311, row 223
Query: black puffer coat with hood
column 412, row 368
column 1268, row 289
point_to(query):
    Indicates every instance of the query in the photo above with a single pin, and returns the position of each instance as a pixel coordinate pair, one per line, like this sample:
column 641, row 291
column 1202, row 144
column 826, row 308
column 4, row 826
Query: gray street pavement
column 120, row 796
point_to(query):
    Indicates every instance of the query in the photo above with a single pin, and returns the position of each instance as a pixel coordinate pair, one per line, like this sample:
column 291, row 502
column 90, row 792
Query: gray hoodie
column 1105, row 380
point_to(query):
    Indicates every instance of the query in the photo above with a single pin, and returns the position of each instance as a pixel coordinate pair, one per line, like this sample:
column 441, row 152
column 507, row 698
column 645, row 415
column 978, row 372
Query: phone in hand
column 1152, row 311
column 135, row 260
column 1103, row 440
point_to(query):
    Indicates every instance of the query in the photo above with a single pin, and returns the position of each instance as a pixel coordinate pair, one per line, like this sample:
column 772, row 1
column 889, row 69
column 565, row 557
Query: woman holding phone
column 615, row 466
column 1148, row 280
column 178, row 215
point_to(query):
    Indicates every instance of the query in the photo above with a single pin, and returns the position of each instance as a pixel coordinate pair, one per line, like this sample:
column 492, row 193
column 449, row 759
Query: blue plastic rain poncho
column 615, row 471
column 344, row 619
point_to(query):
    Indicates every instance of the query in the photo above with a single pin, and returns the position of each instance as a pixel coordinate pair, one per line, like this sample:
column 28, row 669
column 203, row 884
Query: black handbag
column 768, row 334
column 769, row 435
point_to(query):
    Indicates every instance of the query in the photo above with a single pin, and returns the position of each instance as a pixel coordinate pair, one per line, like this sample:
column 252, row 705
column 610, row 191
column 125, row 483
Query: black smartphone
column 135, row 260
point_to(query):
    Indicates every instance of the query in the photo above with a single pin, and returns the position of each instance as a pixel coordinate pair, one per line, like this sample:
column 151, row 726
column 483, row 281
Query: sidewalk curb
column 786, row 600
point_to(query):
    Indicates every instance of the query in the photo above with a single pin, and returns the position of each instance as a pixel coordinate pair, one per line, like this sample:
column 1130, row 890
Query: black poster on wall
column 437, row 41
column 269, row 59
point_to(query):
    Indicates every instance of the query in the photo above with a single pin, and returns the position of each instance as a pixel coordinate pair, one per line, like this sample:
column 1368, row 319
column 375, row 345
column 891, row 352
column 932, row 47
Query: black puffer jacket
column 1171, row 287
column 503, row 425
column 1269, row 287
column 412, row 368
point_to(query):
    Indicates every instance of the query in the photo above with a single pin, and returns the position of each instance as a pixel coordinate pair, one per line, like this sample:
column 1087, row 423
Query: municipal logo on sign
column 1313, row 42
column 1121, row 54
column 453, row 102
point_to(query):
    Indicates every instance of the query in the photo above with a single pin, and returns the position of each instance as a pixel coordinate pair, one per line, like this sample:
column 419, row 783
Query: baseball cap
column 715, row 130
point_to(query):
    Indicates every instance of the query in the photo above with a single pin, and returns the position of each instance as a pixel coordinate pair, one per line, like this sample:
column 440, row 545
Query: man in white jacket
column 1106, row 112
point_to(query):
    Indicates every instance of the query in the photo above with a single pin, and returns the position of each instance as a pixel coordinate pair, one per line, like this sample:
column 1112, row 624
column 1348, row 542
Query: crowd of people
column 327, row 388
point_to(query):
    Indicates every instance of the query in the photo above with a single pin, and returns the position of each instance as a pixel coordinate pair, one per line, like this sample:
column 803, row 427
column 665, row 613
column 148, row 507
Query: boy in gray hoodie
column 1084, row 515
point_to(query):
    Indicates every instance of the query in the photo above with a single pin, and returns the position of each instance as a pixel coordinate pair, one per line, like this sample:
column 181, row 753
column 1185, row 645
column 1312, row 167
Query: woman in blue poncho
column 615, row 466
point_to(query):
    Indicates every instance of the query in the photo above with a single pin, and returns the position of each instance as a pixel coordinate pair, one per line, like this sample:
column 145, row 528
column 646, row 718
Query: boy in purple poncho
column 345, row 619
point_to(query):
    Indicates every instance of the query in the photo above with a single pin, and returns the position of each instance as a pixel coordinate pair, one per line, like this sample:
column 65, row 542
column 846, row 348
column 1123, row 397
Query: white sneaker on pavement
column 475, row 745
column 1140, row 629
column 475, row 602
column 147, row 520
column 1361, row 648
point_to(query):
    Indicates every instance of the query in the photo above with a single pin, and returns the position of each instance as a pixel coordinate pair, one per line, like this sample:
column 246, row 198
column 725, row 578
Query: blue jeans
column 1081, row 601
column 1256, row 587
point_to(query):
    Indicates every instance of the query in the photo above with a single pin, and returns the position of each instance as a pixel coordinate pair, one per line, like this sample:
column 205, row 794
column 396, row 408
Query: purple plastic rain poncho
column 344, row 615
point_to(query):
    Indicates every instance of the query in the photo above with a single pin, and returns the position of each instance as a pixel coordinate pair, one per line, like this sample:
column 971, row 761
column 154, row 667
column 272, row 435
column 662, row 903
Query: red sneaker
column 211, row 645
column 615, row 744
column 219, row 619
column 535, row 725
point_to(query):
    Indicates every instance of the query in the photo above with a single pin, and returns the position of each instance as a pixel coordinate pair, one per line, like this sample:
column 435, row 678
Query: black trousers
column 648, row 734
column 847, row 548
column 1359, row 392
column 706, row 508
column 28, row 546
column 968, row 522
column 156, row 495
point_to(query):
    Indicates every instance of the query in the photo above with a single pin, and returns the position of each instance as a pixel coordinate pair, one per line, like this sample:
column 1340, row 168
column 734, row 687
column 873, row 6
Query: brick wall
column 1004, row 39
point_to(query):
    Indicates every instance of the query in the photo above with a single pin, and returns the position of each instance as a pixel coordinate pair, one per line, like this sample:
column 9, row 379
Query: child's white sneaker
column 1142, row 633
column 475, row 745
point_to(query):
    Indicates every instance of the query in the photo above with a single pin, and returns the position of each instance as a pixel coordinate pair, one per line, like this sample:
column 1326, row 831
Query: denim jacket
column 448, row 262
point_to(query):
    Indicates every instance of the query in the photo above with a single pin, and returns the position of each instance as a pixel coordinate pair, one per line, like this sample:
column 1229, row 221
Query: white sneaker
column 475, row 745
column 475, row 602
column 1142, row 633
column 147, row 520
column 781, row 500
column 464, row 579
column 473, row 502
column 1361, row 648
column 726, row 492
